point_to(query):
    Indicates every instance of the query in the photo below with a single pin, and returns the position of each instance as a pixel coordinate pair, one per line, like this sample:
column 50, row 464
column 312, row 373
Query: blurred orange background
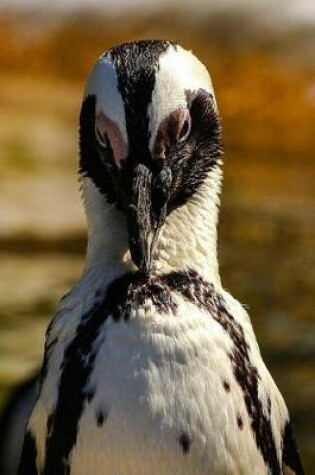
column 261, row 58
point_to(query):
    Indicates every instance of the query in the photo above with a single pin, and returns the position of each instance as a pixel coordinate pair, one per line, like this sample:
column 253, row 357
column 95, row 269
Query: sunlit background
column 262, row 59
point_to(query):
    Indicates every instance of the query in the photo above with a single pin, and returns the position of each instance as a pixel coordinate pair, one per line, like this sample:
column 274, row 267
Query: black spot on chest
column 185, row 442
column 226, row 386
column 101, row 417
column 240, row 422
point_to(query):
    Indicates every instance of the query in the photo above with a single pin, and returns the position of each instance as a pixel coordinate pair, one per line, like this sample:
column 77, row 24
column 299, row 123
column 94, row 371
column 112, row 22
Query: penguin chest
column 162, row 399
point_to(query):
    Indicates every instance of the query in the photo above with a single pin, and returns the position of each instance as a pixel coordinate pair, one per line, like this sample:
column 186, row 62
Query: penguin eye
column 102, row 139
column 185, row 130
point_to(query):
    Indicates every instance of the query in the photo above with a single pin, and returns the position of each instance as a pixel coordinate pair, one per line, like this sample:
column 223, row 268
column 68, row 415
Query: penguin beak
column 146, row 213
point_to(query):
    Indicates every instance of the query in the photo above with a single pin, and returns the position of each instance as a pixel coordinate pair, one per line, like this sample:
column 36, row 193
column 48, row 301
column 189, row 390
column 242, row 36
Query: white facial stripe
column 103, row 83
column 179, row 70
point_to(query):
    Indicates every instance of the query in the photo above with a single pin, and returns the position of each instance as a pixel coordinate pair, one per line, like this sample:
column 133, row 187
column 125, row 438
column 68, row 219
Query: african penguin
column 150, row 366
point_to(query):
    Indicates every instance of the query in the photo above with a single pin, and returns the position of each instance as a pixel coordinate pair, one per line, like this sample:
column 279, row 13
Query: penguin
column 150, row 365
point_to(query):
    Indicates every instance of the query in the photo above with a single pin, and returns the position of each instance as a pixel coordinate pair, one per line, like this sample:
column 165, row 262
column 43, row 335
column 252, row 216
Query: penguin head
column 149, row 135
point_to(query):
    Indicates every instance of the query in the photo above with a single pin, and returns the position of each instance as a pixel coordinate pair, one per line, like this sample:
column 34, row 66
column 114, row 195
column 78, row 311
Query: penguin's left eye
column 185, row 130
column 102, row 139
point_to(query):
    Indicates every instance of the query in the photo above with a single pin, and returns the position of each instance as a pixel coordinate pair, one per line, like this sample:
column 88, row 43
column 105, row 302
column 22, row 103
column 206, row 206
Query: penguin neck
column 107, row 248
column 188, row 239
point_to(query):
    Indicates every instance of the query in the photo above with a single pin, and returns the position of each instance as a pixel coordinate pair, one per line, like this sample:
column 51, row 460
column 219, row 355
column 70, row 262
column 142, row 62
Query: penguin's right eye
column 102, row 139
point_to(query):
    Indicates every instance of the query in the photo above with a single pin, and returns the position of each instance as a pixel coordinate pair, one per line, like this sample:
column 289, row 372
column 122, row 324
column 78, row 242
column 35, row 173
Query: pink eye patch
column 108, row 128
column 174, row 128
